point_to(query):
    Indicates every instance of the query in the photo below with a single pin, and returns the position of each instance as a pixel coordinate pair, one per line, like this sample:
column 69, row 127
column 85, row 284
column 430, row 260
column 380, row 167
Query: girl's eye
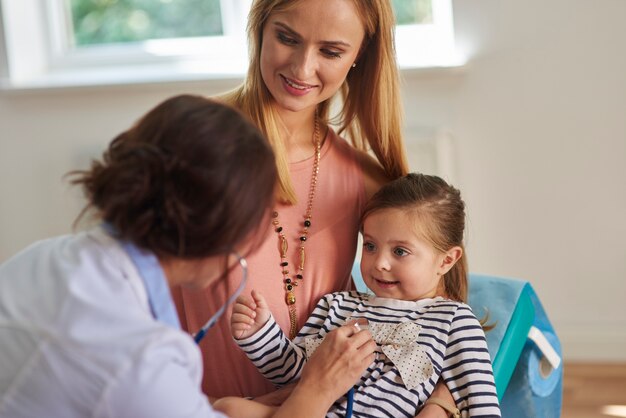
column 369, row 247
column 400, row 252
column 286, row 39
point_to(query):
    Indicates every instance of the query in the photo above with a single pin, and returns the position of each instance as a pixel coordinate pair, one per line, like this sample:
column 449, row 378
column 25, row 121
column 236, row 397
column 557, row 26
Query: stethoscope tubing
column 213, row 320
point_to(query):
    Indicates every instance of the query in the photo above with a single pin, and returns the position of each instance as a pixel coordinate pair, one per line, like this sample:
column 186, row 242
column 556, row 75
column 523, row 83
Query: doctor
column 87, row 323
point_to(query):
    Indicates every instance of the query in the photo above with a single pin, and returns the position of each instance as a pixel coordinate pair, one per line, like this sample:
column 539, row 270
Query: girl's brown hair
column 190, row 179
column 439, row 212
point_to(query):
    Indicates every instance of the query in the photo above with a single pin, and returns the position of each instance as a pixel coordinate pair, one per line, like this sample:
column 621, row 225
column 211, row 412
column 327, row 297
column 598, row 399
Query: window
column 94, row 22
column 425, row 34
column 409, row 12
column 56, row 43
column 187, row 33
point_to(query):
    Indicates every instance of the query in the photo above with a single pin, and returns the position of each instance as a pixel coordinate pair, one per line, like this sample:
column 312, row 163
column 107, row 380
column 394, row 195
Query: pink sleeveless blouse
column 330, row 249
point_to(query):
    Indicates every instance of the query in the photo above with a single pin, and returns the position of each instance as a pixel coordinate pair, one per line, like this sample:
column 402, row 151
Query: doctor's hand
column 249, row 315
column 332, row 370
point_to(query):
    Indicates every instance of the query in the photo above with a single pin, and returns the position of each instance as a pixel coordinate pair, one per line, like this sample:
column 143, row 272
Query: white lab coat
column 77, row 338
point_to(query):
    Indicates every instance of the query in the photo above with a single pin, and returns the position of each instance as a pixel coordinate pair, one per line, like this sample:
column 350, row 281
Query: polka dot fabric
column 399, row 343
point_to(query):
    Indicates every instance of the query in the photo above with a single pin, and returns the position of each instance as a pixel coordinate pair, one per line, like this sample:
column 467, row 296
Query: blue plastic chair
column 525, row 352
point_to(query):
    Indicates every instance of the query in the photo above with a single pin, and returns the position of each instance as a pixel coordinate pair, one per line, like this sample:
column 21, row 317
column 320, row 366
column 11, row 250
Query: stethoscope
column 213, row 320
column 350, row 394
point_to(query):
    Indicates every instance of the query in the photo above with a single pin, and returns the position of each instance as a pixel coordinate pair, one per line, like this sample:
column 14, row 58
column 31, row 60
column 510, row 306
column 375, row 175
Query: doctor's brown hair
column 439, row 214
column 190, row 179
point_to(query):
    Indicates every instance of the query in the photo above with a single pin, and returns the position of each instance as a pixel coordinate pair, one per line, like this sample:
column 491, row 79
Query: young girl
column 413, row 261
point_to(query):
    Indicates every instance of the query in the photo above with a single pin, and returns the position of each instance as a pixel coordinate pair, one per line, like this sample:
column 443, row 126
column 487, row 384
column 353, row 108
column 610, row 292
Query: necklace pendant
column 302, row 258
column 290, row 298
column 284, row 246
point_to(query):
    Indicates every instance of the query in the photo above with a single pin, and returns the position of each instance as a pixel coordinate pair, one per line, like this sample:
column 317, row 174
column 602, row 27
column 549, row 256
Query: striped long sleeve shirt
column 446, row 341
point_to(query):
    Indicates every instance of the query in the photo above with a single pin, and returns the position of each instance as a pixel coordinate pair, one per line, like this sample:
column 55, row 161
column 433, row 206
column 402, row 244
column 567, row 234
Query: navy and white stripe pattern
column 450, row 335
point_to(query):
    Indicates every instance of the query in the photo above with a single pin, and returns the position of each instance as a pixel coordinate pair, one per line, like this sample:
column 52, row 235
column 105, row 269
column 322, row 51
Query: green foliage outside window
column 113, row 21
column 413, row 11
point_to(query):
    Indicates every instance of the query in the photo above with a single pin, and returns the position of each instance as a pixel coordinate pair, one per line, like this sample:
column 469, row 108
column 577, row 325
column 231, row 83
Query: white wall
column 538, row 118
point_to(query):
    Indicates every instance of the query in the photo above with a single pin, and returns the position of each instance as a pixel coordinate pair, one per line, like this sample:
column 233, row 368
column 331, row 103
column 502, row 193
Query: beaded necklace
column 291, row 283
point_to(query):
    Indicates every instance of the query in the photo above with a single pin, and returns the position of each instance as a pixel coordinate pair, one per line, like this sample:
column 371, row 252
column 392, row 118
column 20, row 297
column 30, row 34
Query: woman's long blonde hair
column 371, row 116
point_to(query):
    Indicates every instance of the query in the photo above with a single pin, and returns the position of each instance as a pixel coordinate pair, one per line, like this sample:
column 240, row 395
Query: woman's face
column 199, row 274
column 308, row 50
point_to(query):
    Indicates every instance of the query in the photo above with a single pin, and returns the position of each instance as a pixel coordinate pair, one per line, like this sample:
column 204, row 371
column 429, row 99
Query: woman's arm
column 432, row 410
column 277, row 397
column 467, row 366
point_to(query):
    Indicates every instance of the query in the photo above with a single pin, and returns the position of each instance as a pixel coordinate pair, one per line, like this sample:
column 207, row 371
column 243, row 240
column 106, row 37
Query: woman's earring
column 353, row 64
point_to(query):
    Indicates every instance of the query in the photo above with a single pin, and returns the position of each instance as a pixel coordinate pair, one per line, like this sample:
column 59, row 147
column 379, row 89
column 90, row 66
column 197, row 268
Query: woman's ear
column 449, row 259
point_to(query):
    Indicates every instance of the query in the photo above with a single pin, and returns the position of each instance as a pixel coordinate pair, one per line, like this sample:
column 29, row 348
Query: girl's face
column 396, row 262
column 308, row 50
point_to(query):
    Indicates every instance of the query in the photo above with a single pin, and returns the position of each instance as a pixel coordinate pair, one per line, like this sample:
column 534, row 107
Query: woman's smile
column 296, row 88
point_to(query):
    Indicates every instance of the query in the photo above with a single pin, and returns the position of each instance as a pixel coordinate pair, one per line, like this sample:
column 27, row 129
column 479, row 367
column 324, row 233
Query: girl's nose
column 382, row 263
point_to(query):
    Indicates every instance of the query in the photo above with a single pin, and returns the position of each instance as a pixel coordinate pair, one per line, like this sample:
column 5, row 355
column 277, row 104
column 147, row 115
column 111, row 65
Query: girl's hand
column 249, row 315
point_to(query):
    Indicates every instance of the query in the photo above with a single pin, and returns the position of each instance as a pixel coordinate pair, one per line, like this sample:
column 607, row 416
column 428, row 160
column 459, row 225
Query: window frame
column 429, row 45
column 64, row 55
column 36, row 53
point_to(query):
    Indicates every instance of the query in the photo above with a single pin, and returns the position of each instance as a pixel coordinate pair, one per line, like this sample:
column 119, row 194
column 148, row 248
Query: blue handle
column 199, row 335
column 350, row 402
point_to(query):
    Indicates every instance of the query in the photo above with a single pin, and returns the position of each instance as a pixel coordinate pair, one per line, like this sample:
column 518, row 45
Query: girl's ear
column 450, row 258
